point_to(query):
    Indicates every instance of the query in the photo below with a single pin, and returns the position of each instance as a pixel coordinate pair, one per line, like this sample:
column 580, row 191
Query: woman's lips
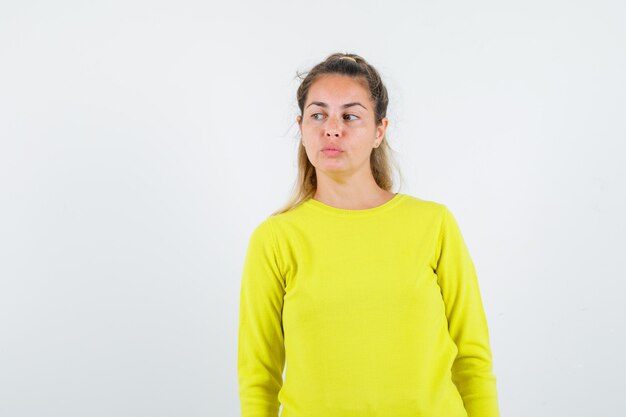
column 331, row 152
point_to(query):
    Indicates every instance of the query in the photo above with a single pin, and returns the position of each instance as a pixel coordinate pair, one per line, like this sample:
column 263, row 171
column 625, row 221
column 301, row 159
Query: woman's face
column 338, row 126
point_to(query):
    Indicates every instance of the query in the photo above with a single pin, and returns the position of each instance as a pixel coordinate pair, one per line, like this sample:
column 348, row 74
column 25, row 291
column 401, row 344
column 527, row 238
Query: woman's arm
column 467, row 324
column 261, row 354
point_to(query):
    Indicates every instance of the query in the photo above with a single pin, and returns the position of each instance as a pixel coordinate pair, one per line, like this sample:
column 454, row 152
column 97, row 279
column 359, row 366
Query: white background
column 142, row 141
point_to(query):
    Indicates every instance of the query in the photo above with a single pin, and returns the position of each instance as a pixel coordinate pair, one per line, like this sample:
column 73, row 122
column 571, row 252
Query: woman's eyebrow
column 322, row 104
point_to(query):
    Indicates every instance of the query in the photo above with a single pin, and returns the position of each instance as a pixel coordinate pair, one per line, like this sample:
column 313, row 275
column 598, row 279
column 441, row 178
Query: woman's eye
column 319, row 116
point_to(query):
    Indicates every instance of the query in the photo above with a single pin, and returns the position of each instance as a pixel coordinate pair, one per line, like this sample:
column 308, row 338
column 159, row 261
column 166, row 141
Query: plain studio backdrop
column 142, row 141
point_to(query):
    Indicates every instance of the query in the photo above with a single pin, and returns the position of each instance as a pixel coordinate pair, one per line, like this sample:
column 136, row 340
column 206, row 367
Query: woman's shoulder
column 413, row 202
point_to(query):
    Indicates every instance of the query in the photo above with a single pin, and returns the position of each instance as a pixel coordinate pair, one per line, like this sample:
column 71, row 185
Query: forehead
column 337, row 89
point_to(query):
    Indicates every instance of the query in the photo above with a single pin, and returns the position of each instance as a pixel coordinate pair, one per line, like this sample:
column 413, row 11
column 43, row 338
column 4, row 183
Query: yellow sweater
column 369, row 313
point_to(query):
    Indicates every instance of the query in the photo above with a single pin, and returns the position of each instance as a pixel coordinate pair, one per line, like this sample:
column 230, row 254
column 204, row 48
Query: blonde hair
column 381, row 158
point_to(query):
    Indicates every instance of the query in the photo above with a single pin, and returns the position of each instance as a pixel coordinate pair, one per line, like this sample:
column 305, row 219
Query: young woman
column 367, row 299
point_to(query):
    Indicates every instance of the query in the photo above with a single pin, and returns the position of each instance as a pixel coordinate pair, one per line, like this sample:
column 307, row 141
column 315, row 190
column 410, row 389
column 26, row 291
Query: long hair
column 381, row 159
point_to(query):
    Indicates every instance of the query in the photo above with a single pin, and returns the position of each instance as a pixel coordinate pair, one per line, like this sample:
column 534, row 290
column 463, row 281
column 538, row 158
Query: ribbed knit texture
column 369, row 313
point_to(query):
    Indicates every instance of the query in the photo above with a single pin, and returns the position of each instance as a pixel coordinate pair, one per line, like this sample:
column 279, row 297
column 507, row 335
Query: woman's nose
column 332, row 128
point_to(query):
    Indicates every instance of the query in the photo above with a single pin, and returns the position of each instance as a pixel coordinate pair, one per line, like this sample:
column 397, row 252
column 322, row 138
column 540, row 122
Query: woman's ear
column 299, row 120
column 382, row 128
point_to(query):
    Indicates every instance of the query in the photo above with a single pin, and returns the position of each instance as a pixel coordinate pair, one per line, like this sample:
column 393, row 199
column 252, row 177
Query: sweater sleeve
column 467, row 324
column 261, row 354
